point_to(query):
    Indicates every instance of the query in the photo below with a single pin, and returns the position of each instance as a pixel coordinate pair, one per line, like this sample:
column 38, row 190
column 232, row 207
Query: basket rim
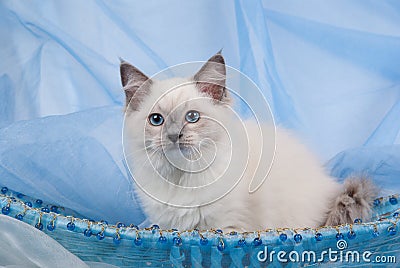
column 43, row 218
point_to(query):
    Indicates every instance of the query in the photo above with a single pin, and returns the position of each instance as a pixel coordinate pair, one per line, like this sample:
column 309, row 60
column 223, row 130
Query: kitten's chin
column 182, row 156
column 187, row 150
column 180, row 152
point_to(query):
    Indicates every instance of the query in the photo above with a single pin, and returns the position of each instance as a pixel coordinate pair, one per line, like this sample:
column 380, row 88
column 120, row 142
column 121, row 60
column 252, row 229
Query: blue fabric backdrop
column 329, row 69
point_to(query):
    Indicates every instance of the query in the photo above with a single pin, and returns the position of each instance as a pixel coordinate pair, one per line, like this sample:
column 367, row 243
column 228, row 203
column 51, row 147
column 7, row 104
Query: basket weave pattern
column 129, row 246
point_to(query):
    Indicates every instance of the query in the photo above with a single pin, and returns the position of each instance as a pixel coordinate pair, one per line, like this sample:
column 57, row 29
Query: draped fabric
column 23, row 246
column 330, row 71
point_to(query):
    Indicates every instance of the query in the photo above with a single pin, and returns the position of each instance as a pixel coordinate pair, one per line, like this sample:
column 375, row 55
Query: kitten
column 175, row 145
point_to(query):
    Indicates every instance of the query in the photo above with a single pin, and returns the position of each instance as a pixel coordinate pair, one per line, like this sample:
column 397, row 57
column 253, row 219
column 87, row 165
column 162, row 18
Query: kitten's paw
column 354, row 202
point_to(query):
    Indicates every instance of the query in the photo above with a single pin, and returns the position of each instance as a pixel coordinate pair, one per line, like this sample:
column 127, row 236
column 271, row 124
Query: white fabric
column 23, row 246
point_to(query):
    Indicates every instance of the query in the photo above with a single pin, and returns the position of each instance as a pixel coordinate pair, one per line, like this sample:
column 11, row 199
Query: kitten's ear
column 132, row 79
column 210, row 79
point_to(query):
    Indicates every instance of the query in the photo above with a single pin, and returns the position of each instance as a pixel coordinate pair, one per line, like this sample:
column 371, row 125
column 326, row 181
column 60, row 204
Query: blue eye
column 156, row 119
column 192, row 116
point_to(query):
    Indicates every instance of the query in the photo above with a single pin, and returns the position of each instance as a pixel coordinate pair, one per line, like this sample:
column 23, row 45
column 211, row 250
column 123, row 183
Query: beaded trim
column 53, row 217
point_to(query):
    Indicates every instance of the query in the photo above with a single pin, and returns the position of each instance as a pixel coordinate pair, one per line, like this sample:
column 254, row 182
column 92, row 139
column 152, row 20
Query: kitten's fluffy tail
column 354, row 202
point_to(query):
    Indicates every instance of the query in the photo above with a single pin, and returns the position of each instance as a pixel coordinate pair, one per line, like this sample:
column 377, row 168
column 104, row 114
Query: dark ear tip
column 218, row 58
column 122, row 61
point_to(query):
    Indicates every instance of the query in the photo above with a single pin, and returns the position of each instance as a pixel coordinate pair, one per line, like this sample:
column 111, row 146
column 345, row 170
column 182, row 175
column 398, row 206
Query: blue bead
column 162, row 239
column 4, row 190
column 19, row 195
column 233, row 233
column 39, row 202
column 177, row 241
column 221, row 246
column 283, row 237
column 351, row 235
column 87, row 232
column 54, row 209
column 138, row 241
column 5, row 210
column 395, row 215
column 19, row 217
column 47, row 210
column 241, row 242
column 393, row 200
column 377, row 202
column 117, row 239
column 174, row 233
column 339, row 236
column 375, row 233
column 71, row 226
column 318, row 236
column 154, row 228
column 297, row 238
column 39, row 226
column 134, row 226
column 257, row 242
column 104, row 222
column 29, row 204
column 195, row 233
column 219, row 231
column 51, row 226
column 357, row 221
column 392, row 230
column 203, row 241
column 175, row 230
column 101, row 236
column 120, row 224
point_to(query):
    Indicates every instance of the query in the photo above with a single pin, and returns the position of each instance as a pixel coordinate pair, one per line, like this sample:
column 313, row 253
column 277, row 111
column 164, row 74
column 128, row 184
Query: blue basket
column 129, row 246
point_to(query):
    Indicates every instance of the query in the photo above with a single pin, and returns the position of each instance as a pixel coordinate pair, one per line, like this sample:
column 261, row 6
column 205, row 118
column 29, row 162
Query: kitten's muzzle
column 174, row 137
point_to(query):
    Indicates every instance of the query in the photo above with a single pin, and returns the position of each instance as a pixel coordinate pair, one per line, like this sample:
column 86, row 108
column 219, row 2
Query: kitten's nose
column 174, row 137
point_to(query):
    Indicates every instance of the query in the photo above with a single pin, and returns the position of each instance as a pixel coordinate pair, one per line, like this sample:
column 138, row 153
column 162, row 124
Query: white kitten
column 178, row 145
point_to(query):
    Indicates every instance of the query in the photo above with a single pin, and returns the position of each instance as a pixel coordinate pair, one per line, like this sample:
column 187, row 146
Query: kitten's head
column 179, row 118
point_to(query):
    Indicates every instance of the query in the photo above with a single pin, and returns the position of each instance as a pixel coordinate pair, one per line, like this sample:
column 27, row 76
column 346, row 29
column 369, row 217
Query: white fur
column 296, row 193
